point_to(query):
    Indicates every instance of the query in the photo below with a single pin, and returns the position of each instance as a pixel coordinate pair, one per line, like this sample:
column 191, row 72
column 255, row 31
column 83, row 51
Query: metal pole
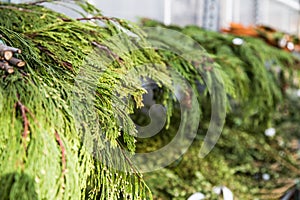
column 211, row 17
column 167, row 12
column 298, row 28
column 229, row 11
column 196, row 13
column 256, row 11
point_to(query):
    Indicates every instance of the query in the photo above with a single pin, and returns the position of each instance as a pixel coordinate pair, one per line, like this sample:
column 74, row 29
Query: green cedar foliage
column 46, row 152
column 260, row 75
column 65, row 118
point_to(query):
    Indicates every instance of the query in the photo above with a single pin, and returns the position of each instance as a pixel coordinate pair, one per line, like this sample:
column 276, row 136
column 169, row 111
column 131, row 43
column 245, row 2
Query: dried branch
column 6, row 67
column 5, row 52
column 17, row 62
column 14, row 50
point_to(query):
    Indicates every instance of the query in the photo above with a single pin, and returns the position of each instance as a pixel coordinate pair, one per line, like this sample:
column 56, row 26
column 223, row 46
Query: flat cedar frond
column 55, row 140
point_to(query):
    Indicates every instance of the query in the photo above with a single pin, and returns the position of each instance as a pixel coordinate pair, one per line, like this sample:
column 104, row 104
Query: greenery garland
column 49, row 152
column 261, row 76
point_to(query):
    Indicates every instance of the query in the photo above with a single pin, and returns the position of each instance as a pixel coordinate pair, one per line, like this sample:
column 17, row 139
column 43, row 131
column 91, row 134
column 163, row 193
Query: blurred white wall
column 187, row 12
column 283, row 16
column 131, row 9
column 280, row 14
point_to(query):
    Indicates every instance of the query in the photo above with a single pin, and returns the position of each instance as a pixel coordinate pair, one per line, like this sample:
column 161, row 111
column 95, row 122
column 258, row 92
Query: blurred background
column 210, row 14
column 282, row 15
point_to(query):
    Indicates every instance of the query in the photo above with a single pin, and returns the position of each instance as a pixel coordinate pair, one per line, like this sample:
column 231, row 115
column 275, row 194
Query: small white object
column 197, row 196
column 270, row 132
column 43, row 172
column 290, row 46
column 298, row 93
column 266, row 177
column 282, row 43
column 278, row 69
column 37, row 180
column 217, row 190
column 238, row 41
column 227, row 194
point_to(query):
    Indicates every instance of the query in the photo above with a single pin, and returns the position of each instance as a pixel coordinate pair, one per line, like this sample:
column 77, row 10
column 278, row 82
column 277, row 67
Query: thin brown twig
column 63, row 153
column 108, row 51
column 23, row 72
column 101, row 18
column 25, row 119
column 280, row 159
column 13, row 115
column 32, row 116
column 129, row 161
column 26, row 124
column 97, row 18
column 277, row 193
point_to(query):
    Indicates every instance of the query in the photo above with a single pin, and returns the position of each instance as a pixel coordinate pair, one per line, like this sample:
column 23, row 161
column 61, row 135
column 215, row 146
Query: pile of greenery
column 46, row 147
column 261, row 76
column 68, row 117
column 65, row 121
